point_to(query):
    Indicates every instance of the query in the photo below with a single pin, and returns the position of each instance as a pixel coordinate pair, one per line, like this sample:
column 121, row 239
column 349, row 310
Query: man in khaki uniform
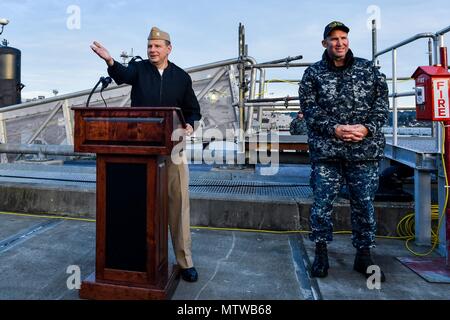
column 158, row 82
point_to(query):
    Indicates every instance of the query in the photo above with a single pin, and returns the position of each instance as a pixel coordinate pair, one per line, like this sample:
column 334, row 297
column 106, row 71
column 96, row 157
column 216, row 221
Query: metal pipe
column 280, row 80
column 394, row 99
column 438, row 134
column 213, row 65
column 272, row 99
column 262, row 82
column 57, row 150
column 402, row 94
column 439, row 138
column 436, row 50
column 242, row 86
column 285, row 60
column 251, row 95
column 409, row 40
column 430, row 52
column 275, row 104
column 374, row 39
column 445, row 30
column 54, row 99
column 286, row 65
column 400, row 78
column 271, row 105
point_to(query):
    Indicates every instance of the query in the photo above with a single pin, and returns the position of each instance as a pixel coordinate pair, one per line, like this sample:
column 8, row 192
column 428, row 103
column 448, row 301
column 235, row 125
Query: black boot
column 362, row 261
column 320, row 265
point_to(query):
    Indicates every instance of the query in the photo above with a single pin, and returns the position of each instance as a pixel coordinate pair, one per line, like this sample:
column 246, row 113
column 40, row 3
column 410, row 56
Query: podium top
column 126, row 130
column 163, row 109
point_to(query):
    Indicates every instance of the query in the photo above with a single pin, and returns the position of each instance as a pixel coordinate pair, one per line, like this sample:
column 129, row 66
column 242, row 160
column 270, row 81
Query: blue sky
column 57, row 57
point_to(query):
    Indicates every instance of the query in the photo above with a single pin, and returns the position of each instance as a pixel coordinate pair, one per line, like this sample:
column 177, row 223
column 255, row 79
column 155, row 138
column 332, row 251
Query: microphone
column 105, row 81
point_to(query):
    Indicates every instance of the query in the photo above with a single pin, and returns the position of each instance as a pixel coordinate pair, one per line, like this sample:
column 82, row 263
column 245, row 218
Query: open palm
column 102, row 52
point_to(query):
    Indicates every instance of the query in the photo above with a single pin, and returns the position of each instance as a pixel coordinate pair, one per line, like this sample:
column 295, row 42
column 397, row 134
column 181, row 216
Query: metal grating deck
column 55, row 178
column 63, row 176
column 240, row 187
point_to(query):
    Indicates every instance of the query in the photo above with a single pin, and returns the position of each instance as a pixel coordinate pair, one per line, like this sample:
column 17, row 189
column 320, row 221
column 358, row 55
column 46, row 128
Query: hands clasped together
column 351, row 133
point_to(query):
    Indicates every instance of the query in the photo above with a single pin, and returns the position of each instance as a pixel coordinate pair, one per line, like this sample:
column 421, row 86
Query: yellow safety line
column 46, row 216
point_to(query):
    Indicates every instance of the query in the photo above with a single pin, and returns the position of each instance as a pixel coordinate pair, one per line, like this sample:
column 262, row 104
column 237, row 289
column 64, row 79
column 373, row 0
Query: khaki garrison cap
column 157, row 34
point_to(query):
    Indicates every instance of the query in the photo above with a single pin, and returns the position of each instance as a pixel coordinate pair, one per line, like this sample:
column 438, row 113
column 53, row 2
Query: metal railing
column 250, row 82
column 435, row 40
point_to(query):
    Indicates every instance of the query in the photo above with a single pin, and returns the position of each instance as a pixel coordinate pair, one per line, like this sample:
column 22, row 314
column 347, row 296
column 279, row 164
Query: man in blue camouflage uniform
column 298, row 125
column 345, row 103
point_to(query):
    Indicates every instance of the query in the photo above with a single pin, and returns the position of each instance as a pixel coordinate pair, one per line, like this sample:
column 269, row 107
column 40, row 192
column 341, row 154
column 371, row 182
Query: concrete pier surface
column 38, row 255
column 47, row 229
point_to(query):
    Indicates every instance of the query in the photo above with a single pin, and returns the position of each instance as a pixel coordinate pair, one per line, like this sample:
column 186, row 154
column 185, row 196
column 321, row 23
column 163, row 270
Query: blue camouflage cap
column 334, row 25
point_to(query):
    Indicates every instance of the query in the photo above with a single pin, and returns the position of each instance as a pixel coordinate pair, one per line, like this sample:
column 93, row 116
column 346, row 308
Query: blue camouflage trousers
column 362, row 182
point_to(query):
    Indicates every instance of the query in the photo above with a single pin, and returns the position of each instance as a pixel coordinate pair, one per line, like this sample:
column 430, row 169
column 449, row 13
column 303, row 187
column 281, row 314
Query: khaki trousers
column 179, row 212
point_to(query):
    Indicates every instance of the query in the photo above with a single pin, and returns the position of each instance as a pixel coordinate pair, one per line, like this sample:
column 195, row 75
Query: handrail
column 409, row 40
column 441, row 32
column 53, row 99
column 395, row 94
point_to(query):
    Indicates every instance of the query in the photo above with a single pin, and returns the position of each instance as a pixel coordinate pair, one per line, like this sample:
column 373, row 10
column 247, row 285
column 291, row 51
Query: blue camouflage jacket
column 354, row 94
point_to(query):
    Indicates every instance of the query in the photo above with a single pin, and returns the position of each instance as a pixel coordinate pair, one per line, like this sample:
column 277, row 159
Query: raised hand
column 102, row 53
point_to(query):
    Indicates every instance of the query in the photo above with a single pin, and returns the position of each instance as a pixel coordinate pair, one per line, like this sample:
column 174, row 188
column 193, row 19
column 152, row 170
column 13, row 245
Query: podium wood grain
column 132, row 147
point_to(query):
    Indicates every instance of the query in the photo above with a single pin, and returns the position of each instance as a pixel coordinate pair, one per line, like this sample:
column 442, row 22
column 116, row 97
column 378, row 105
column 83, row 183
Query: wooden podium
column 132, row 146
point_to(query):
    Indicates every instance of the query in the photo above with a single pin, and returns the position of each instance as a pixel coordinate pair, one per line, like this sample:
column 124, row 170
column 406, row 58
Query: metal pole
column 430, row 52
column 445, row 30
column 405, row 42
column 438, row 134
column 374, row 40
column 285, row 60
column 436, row 50
column 252, row 92
column 241, row 141
column 60, row 150
column 212, row 65
column 281, row 65
column 262, row 81
column 422, row 218
column 273, row 99
column 394, row 99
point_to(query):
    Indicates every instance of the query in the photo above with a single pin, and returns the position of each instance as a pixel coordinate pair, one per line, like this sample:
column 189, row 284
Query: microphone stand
column 105, row 81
